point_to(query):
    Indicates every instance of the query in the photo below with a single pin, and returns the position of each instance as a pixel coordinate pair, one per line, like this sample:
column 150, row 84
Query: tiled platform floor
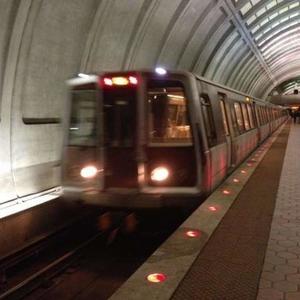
column 280, row 278
column 230, row 265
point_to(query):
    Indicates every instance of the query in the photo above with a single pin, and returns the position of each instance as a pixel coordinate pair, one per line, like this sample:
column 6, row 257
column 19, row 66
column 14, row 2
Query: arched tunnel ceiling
column 274, row 25
column 249, row 45
column 288, row 87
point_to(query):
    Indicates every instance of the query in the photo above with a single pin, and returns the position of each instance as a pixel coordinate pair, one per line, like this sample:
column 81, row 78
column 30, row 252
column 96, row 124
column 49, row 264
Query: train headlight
column 160, row 174
column 88, row 172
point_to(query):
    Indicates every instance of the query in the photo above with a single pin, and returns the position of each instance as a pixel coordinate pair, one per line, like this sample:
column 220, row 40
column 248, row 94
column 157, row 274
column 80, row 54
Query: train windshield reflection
column 82, row 130
column 168, row 118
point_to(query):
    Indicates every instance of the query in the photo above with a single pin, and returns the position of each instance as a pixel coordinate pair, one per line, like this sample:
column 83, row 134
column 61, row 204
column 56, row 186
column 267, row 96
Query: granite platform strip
column 280, row 279
column 177, row 254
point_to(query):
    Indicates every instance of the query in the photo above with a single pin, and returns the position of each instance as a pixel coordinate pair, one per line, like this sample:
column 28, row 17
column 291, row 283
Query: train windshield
column 168, row 116
column 82, row 130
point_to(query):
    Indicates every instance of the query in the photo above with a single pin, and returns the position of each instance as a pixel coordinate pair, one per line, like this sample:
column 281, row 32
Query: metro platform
column 245, row 241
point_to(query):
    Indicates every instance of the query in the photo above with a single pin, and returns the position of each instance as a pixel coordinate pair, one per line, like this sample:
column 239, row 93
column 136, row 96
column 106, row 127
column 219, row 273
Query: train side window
column 272, row 114
column 264, row 115
column 245, row 116
column 259, row 113
column 263, row 118
column 208, row 118
column 258, row 120
column 239, row 117
column 224, row 115
column 267, row 114
column 234, row 124
column 250, row 115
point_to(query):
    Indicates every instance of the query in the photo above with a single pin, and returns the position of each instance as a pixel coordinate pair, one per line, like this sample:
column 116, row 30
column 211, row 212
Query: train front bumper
column 132, row 199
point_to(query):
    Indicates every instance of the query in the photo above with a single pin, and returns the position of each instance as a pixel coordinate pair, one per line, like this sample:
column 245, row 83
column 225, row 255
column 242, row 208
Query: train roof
column 82, row 79
column 93, row 77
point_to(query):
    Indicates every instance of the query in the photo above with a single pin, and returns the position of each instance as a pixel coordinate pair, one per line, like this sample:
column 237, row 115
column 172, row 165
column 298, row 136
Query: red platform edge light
column 243, row 172
column 156, row 277
column 226, row 192
column 212, row 208
column 192, row 233
column 235, row 180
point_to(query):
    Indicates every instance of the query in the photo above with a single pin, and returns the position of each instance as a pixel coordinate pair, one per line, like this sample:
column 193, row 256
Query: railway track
column 46, row 273
column 18, row 288
column 93, row 269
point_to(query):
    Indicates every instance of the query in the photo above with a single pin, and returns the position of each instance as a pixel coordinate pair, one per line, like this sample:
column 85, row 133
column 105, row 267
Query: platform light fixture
column 212, row 208
column 192, row 233
column 156, row 277
column 226, row 192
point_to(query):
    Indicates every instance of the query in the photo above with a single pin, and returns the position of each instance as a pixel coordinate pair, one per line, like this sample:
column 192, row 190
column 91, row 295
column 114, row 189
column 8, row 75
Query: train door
column 170, row 152
column 222, row 99
column 119, row 104
column 216, row 141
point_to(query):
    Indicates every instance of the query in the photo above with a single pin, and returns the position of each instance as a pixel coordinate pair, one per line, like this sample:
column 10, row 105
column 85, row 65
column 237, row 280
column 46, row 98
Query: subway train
column 157, row 138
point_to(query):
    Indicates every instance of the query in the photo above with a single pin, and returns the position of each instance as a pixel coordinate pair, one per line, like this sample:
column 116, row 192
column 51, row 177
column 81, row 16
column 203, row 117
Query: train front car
column 133, row 146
